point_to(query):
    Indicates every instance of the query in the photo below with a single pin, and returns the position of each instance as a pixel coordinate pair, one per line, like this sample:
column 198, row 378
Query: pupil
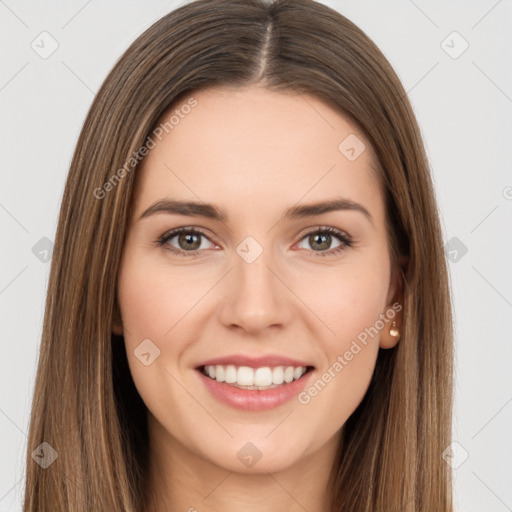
column 325, row 239
column 189, row 239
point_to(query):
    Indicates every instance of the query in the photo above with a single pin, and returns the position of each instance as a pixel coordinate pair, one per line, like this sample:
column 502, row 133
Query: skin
column 253, row 153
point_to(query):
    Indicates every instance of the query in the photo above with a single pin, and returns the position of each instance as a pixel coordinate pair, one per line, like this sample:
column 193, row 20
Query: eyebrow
column 210, row 211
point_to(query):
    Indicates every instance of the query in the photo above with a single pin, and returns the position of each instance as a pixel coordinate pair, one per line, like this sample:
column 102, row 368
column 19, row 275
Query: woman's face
column 260, row 279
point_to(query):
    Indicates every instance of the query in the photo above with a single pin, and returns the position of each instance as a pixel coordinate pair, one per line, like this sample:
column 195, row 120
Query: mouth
column 259, row 378
column 255, row 384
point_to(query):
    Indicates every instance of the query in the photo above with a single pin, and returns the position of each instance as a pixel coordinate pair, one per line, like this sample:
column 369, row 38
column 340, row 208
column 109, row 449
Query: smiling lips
column 254, row 383
column 260, row 378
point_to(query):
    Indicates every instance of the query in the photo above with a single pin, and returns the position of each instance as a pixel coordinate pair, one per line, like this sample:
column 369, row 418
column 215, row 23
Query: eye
column 188, row 241
column 322, row 238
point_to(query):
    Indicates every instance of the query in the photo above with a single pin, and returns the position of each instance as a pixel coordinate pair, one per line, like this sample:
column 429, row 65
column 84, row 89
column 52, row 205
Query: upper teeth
column 254, row 378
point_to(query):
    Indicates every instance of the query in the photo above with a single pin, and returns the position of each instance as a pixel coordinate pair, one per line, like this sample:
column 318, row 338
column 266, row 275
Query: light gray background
column 464, row 108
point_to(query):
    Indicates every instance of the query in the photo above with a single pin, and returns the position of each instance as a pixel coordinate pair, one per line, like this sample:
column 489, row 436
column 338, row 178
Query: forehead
column 256, row 150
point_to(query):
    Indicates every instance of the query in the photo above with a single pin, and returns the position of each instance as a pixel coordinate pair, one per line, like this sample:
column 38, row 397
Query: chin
column 256, row 456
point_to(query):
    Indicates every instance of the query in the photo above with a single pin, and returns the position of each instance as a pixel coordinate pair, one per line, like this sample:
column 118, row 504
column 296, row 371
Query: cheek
column 155, row 299
column 159, row 302
column 150, row 306
column 347, row 300
column 144, row 304
column 154, row 303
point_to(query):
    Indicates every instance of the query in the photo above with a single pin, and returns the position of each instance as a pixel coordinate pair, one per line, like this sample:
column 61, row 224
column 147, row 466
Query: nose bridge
column 254, row 277
column 255, row 298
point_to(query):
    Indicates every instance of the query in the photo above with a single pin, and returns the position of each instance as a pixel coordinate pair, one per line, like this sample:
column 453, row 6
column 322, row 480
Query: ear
column 117, row 329
column 390, row 334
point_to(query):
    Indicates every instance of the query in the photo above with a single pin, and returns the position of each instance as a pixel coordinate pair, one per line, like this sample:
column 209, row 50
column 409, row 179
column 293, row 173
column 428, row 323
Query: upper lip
column 254, row 362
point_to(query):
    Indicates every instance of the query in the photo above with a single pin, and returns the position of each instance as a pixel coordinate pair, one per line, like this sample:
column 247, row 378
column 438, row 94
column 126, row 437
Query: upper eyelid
column 171, row 233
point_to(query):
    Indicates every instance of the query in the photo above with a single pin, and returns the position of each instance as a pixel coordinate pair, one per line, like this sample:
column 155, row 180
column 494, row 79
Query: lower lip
column 255, row 399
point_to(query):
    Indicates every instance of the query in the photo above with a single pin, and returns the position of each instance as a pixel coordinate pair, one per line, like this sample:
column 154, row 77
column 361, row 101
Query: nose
column 255, row 296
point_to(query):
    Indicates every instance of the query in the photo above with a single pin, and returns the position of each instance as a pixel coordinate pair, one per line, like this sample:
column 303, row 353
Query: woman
column 248, row 304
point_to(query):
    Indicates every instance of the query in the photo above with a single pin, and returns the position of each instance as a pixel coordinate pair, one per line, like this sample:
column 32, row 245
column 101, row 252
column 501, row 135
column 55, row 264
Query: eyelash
column 343, row 237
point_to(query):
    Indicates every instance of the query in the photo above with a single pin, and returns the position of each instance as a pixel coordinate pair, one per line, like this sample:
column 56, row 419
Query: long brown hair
column 85, row 404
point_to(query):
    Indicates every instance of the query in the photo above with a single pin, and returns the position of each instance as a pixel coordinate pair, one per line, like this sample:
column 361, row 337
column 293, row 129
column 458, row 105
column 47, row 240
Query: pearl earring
column 394, row 330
